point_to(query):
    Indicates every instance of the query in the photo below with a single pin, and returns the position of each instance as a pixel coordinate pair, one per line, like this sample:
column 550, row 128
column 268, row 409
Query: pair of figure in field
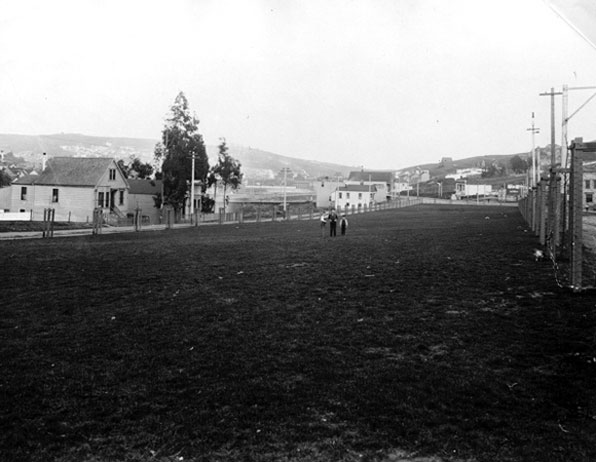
column 332, row 217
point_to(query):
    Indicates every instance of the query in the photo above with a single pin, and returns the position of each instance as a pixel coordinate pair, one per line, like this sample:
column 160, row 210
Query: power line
column 570, row 24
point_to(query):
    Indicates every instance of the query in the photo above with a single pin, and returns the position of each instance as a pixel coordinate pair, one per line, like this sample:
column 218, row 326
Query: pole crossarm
column 551, row 93
column 582, row 88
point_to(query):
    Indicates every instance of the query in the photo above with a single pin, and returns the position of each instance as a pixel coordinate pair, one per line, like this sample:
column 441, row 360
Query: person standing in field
column 323, row 221
column 333, row 223
column 343, row 224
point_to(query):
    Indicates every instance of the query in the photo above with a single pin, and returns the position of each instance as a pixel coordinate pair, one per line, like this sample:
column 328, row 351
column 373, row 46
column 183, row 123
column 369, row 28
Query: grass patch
column 425, row 334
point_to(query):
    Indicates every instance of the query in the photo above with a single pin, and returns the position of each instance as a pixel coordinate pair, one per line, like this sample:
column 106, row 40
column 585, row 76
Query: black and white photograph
column 297, row 231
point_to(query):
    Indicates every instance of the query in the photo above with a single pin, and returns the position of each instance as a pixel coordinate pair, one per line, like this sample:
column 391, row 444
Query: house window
column 359, row 195
column 100, row 199
column 587, row 184
column 589, row 198
column 121, row 200
column 340, row 195
column 347, row 195
column 112, row 174
column 55, row 195
column 594, row 184
column 23, row 193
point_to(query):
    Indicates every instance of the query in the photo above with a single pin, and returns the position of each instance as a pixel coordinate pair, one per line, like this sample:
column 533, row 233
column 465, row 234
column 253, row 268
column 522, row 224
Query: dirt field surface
column 424, row 334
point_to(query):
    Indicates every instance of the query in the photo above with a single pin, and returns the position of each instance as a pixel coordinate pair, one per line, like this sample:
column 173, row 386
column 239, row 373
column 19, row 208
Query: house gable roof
column 378, row 176
column 71, row 171
column 358, row 188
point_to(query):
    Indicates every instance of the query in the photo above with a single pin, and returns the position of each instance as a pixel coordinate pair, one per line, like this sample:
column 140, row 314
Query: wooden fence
column 556, row 212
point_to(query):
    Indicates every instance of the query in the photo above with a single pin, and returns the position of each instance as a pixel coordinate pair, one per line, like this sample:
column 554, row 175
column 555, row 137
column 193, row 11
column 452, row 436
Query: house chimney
column 43, row 161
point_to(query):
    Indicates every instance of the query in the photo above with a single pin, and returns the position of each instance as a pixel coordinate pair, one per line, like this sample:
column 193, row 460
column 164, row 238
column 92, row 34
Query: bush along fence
column 559, row 211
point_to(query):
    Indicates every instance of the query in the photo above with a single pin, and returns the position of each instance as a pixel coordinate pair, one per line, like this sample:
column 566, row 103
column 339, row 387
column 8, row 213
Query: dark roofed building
column 73, row 187
column 371, row 175
column 71, row 171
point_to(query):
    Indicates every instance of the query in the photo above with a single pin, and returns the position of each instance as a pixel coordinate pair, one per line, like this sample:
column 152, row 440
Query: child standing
column 343, row 224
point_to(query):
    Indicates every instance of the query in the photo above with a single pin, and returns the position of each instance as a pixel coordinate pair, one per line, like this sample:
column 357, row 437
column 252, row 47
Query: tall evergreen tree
column 227, row 171
column 180, row 140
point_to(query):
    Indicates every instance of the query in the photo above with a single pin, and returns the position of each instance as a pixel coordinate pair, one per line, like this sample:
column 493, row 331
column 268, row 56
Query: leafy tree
column 518, row 165
column 136, row 169
column 142, row 170
column 180, row 140
column 226, row 171
column 5, row 179
column 493, row 170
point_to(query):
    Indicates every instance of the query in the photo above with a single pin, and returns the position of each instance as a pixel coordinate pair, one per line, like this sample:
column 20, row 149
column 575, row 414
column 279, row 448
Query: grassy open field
column 427, row 334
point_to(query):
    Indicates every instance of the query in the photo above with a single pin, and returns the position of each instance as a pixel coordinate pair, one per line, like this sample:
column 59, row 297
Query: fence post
column 533, row 210
column 575, row 221
column 138, row 215
column 45, row 220
column 557, row 216
column 97, row 220
column 53, row 213
column 542, row 213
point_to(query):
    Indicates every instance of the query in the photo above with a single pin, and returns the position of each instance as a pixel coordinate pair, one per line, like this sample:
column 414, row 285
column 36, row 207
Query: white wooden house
column 354, row 196
column 383, row 181
column 73, row 187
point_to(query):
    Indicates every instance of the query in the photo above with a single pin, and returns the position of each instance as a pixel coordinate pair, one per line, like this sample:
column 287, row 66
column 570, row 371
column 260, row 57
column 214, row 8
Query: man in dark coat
column 333, row 223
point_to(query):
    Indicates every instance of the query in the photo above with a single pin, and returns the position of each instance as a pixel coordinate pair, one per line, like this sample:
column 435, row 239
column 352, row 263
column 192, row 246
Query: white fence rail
column 15, row 216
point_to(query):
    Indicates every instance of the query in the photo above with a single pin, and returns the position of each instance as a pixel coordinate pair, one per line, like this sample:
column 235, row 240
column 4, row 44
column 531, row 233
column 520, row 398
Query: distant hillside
column 439, row 170
column 256, row 164
column 260, row 165
column 30, row 148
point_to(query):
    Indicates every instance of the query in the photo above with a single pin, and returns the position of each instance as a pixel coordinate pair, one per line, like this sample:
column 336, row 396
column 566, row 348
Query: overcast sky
column 377, row 83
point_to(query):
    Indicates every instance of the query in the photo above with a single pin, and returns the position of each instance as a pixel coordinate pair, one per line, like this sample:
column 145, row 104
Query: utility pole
column 552, row 95
column 285, row 193
column 565, row 118
column 337, row 175
column 285, row 171
column 192, row 189
column 534, row 130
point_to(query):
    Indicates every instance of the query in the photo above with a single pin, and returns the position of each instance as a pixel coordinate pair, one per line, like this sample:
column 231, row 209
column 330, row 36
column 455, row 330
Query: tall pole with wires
column 534, row 130
column 552, row 95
